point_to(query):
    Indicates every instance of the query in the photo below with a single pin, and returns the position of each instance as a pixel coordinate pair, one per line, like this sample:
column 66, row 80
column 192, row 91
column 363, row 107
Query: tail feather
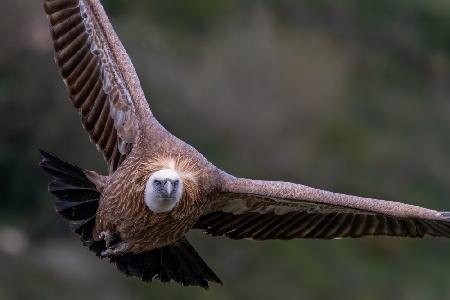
column 190, row 257
column 178, row 262
column 78, row 200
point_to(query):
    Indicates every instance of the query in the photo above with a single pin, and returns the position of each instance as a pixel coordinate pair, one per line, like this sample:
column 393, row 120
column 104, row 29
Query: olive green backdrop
column 352, row 96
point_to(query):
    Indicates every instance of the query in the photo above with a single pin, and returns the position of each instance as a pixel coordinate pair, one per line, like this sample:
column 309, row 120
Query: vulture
column 158, row 187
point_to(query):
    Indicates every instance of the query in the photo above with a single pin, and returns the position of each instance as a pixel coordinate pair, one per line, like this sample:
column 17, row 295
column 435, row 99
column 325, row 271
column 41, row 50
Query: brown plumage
column 113, row 214
column 125, row 212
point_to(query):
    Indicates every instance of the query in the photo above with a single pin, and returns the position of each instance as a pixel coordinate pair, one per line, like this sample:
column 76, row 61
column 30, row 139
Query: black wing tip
column 46, row 157
column 46, row 154
column 42, row 151
column 77, row 196
column 50, row 161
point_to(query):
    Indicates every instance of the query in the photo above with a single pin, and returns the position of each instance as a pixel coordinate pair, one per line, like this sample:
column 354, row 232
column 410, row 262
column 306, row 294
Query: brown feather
column 122, row 208
column 297, row 211
column 99, row 76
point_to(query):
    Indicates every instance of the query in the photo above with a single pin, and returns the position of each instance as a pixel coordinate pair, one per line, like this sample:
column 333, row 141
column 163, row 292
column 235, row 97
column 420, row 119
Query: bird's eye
column 157, row 183
column 176, row 182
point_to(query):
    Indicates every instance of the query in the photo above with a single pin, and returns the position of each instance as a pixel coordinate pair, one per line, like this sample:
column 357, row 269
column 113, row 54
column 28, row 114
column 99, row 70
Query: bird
column 158, row 188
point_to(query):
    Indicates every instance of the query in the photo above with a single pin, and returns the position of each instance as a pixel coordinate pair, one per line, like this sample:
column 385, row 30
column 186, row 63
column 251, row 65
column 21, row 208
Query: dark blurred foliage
column 351, row 95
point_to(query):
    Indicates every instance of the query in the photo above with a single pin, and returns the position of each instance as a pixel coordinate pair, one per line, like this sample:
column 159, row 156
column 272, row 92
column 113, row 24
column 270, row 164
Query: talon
column 118, row 249
column 109, row 237
column 106, row 253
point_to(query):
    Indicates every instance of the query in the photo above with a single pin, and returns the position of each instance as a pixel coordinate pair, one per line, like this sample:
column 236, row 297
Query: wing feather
column 276, row 210
column 99, row 76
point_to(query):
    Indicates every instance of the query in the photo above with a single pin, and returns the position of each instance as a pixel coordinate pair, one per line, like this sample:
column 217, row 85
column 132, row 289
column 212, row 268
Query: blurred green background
column 351, row 95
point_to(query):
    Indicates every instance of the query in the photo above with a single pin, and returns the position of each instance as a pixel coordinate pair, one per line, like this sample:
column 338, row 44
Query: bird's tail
column 78, row 200
column 179, row 262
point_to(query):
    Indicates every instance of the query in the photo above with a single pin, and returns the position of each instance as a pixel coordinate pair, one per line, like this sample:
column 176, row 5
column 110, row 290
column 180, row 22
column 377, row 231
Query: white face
column 163, row 191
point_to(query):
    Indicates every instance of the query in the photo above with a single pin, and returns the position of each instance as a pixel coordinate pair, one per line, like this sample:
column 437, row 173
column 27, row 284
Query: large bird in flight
column 158, row 187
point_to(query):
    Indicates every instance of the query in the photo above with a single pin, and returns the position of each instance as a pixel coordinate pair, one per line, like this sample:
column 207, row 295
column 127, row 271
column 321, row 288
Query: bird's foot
column 116, row 249
column 109, row 237
column 114, row 246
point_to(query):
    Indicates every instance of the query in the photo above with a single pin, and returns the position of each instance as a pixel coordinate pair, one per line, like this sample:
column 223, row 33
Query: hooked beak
column 169, row 187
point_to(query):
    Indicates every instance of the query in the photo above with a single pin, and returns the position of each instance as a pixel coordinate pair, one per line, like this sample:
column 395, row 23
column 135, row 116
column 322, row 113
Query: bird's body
column 159, row 187
column 122, row 210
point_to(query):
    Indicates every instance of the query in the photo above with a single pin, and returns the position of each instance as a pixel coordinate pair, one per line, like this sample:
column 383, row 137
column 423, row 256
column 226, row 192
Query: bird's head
column 163, row 190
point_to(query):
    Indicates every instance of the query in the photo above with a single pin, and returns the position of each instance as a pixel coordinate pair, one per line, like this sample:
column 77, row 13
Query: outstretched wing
column 99, row 76
column 278, row 210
